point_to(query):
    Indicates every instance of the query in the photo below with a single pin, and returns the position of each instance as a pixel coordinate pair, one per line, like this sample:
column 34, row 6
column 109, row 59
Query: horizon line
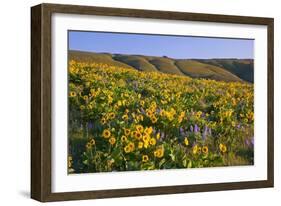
column 163, row 56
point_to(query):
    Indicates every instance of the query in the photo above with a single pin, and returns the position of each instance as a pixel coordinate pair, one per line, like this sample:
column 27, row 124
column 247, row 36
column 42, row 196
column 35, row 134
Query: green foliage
column 121, row 119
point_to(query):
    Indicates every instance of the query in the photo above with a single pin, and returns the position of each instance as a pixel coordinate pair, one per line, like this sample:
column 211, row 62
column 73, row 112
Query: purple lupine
column 142, row 110
column 252, row 141
column 238, row 126
column 135, row 84
column 90, row 125
column 154, row 131
column 157, row 110
column 210, row 131
column 247, row 142
column 204, row 136
column 205, row 132
column 196, row 128
column 182, row 133
column 191, row 128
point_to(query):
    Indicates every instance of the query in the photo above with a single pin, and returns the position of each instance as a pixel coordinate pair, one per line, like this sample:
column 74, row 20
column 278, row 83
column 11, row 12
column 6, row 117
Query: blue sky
column 159, row 45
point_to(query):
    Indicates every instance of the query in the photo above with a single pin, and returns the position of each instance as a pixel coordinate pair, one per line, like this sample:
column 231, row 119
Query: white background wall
column 15, row 101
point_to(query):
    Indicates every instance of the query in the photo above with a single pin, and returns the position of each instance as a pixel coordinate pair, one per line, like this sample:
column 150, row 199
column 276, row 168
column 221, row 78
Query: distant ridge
column 228, row 70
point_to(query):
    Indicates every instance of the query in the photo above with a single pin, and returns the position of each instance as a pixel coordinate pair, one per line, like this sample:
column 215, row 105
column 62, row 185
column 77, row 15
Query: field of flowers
column 122, row 119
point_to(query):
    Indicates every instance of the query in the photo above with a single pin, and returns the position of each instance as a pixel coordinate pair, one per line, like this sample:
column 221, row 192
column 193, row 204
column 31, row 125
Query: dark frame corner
column 41, row 101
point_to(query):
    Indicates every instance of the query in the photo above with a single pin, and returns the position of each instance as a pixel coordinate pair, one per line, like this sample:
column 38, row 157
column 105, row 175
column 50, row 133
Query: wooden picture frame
column 41, row 96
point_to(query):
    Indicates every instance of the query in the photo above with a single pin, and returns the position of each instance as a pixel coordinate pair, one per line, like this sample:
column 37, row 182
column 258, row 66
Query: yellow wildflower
column 205, row 149
column 125, row 117
column 199, row 150
column 140, row 145
column 138, row 135
column 85, row 97
column 106, row 133
column 103, row 121
column 112, row 140
column 140, row 117
column 92, row 142
column 139, row 128
column 145, row 137
column 110, row 99
column 133, row 133
column 127, row 149
column 186, row 142
column 149, row 113
column 195, row 149
column 223, row 148
column 158, row 136
column 152, row 141
column 111, row 115
column 72, row 94
column 154, row 119
column 159, row 152
column 127, row 132
column 148, row 130
column 145, row 158
column 123, row 138
column 131, row 145
column 88, row 145
column 146, row 144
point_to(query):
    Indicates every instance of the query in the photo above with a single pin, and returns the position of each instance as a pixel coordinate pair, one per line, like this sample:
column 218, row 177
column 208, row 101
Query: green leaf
column 173, row 157
column 162, row 162
column 86, row 162
column 184, row 163
column 189, row 164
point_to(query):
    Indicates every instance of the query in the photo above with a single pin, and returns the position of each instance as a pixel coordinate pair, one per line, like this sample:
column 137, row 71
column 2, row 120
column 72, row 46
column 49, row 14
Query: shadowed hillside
column 217, row 69
column 243, row 68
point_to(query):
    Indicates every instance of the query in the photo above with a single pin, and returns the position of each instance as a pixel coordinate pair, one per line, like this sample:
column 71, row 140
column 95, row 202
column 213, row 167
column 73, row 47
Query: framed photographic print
column 132, row 102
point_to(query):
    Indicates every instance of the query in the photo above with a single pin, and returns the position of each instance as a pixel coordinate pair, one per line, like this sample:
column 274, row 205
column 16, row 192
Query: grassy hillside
column 217, row 69
column 197, row 69
column 243, row 68
column 104, row 58
column 166, row 65
column 137, row 62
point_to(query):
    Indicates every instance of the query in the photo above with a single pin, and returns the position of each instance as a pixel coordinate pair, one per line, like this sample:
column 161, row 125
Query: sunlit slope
column 166, row 65
column 103, row 58
column 217, row 69
column 137, row 62
column 148, row 63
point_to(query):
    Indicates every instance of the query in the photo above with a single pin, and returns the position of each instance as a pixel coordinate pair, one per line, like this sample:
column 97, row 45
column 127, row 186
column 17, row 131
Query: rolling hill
column 218, row 69
column 243, row 68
